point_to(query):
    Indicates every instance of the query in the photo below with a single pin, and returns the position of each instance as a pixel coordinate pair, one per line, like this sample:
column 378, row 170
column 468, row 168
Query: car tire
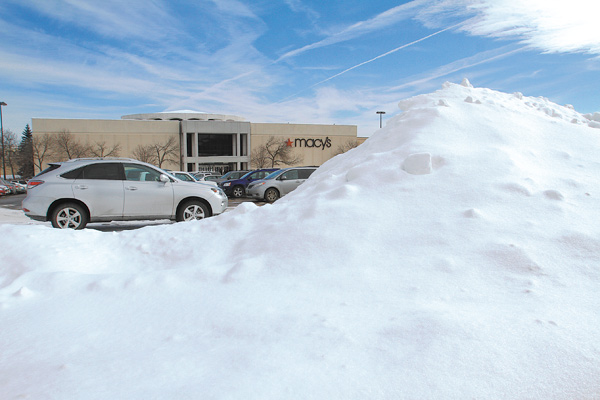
column 238, row 191
column 192, row 210
column 69, row 216
column 271, row 194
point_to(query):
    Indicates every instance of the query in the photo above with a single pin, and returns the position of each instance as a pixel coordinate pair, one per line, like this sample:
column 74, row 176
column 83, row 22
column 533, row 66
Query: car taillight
column 33, row 183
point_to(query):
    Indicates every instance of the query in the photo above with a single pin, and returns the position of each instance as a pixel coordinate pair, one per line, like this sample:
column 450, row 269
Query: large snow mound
column 455, row 254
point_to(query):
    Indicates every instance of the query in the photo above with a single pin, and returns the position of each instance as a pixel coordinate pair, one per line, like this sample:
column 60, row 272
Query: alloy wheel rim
column 68, row 218
column 271, row 196
column 193, row 212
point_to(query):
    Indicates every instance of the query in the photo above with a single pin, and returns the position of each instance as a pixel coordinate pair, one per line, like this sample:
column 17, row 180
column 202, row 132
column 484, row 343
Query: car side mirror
column 164, row 179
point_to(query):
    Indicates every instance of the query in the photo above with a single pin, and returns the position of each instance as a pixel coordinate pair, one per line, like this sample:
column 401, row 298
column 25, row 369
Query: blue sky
column 298, row 61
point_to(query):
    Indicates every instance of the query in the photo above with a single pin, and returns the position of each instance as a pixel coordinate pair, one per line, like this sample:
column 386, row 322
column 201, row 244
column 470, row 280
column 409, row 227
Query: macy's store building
column 206, row 142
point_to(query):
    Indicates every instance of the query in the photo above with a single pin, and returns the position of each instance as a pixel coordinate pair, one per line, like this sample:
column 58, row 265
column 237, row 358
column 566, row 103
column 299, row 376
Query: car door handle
column 81, row 187
column 131, row 188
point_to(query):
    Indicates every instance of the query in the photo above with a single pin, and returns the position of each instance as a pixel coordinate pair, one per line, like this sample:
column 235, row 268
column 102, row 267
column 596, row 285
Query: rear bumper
column 36, row 217
column 36, row 207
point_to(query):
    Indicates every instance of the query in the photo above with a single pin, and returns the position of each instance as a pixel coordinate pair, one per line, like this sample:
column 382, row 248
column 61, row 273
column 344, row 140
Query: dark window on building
column 243, row 144
column 211, row 145
column 190, row 144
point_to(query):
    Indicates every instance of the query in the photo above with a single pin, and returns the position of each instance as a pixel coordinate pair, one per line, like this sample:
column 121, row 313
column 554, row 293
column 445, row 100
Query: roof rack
column 99, row 158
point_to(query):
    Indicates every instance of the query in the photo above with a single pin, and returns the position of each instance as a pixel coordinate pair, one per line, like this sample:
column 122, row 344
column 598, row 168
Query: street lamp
column 2, row 135
column 380, row 117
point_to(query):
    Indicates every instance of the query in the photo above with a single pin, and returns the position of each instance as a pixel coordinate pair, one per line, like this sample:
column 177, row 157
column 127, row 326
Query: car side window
column 135, row 172
column 74, row 174
column 184, row 177
column 104, row 171
column 291, row 174
column 305, row 173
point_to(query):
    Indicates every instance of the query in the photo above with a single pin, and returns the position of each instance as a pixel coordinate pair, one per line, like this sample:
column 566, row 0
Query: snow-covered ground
column 16, row 217
column 454, row 255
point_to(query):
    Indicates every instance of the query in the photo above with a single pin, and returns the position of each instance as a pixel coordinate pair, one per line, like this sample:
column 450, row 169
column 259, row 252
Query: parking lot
column 12, row 203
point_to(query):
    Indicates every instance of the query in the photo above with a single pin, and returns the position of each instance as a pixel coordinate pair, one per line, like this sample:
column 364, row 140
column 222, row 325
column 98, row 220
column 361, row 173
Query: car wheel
column 238, row 191
column 69, row 216
column 192, row 210
column 271, row 195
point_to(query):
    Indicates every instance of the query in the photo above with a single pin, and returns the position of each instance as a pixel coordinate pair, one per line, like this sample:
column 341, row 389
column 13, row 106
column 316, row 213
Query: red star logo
column 289, row 142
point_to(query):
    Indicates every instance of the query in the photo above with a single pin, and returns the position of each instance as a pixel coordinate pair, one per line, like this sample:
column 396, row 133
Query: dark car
column 237, row 187
column 230, row 176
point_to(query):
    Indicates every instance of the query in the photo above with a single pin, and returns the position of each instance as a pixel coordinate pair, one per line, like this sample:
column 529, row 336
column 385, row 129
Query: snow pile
column 454, row 254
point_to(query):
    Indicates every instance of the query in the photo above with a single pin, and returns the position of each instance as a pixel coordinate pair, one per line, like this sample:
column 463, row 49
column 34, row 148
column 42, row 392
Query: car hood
column 257, row 182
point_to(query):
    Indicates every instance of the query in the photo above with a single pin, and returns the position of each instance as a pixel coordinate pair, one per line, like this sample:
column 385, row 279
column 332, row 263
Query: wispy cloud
column 298, row 6
column 554, row 26
column 110, row 18
column 234, row 8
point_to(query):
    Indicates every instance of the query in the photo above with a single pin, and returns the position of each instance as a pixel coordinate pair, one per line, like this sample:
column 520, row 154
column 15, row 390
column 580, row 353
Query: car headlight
column 227, row 184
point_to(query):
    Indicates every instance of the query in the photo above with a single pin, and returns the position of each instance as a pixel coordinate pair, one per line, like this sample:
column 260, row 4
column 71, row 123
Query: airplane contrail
column 371, row 60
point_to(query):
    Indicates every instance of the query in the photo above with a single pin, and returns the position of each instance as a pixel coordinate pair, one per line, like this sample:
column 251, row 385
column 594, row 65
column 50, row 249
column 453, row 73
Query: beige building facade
column 202, row 142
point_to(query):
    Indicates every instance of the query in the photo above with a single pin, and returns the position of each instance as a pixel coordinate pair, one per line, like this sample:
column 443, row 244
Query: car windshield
column 274, row 174
column 237, row 175
column 247, row 174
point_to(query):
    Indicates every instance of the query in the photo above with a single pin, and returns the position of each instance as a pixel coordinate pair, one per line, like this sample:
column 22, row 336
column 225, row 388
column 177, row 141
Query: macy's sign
column 318, row 143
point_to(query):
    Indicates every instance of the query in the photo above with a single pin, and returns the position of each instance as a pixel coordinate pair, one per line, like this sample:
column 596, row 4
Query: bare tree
column 67, row 146
column 10, row 150
column 43, row 146
column 166, row 152
column 275, row 152
column 101, row 149
column 158, row 153
column 144, row 153
column 259, row 158
column 349, row 145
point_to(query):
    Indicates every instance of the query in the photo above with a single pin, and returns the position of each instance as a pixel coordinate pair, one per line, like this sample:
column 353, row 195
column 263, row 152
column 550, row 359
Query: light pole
column 2, row 135
column 380, row 117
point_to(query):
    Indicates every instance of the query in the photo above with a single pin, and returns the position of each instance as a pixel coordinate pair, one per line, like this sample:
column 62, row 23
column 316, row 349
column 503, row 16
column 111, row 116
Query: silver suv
column 279, row 183
column 72, row 193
